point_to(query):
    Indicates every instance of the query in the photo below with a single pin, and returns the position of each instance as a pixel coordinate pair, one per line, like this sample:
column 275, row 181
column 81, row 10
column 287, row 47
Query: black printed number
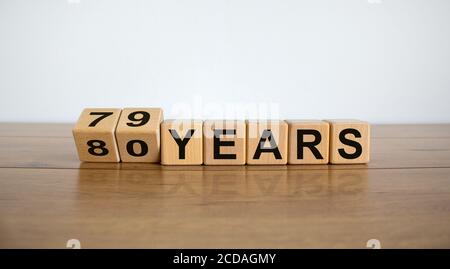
column 139, row 118
column 102, row 116
column 97, row 148
column 143, row 146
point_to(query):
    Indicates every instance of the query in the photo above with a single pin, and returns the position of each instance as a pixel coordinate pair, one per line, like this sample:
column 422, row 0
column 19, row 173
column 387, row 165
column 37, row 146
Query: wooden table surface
column 402, row 198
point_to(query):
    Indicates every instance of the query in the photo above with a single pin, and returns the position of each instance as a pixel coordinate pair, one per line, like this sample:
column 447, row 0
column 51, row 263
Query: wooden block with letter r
column 224, row 142
column 181, row 142
column 138, row 136
column 349, row 141
column 308, row 141
column 267, row 142
column 94, row 135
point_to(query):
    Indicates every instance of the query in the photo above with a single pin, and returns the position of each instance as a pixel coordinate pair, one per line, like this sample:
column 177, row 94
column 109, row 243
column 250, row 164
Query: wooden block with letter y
column 308, row 142
column 267, row 142
column 138, row 136
column 94, row 135
column 224, row 142
column 181, row 142
column 349, row 141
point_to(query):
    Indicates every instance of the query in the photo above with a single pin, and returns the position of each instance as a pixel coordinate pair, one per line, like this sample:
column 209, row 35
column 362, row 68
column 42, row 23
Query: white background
column 385, row 61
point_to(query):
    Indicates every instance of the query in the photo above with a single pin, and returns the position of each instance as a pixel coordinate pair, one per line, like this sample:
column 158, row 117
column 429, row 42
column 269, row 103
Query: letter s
column 351, row 143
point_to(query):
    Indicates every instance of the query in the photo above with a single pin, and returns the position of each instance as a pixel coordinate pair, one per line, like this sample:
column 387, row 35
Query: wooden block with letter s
column 94, row 135
column 138, row 134
column 349, row 142
column 308, row 141
column 182, row 142
column 224, row 142
column 267, row 142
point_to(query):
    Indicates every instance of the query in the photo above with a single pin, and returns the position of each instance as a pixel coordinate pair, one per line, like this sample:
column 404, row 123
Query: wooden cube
column 224, row 142
column 349, row 141
column 137, row 134
column 308, row 142
column 267, row 142
column 181, row 142
column 94, row 135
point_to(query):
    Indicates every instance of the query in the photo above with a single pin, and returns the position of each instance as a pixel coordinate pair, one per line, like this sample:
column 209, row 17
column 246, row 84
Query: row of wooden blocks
column 141, row 135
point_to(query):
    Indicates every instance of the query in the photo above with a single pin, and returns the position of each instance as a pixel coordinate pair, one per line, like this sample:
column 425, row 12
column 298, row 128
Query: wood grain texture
column 233, row 208
column 402, row 197
column 60, row 152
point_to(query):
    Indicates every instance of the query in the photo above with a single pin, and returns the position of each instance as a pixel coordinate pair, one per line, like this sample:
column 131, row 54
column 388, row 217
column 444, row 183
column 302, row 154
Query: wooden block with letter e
column 138, row 134
column 224, row 142
column 308, row 142
column 181, row 142
column 267, row 142
column 349, row 141
column 94, row 135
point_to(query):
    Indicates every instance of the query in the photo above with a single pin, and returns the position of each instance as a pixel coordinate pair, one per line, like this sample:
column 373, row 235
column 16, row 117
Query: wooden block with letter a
column 181, row 142
column 137, row 134
column 94, row 135
column 267, row 142
column 224, row 142
column 349, row 141
column 308, row 142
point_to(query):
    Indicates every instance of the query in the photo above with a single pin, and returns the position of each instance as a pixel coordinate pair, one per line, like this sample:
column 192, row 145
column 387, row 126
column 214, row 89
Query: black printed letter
column 218, row 144
column 267, row 135
column 182, row 142
column 351, row 143
column 311, row 145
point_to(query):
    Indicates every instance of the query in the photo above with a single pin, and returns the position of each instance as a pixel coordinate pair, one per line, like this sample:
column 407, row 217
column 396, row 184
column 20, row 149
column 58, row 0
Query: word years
column 142, row 135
